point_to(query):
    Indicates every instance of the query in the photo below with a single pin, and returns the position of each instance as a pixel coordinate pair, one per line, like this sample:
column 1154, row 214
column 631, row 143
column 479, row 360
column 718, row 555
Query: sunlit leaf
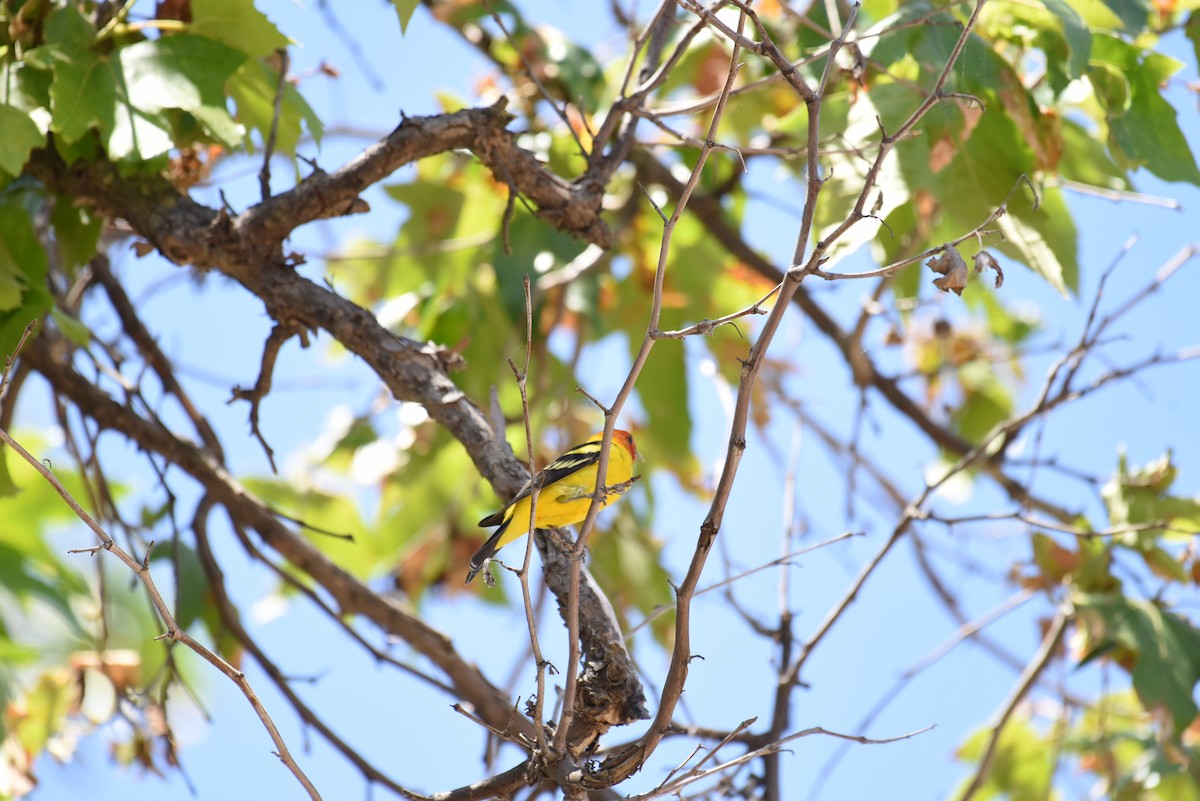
column 237, row 24
column 253, row 88
column 21, row 136
column 1164, row 649
column 1148, row 133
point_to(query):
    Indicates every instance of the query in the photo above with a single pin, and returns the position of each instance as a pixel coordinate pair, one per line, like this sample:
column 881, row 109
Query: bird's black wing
column 574, row 460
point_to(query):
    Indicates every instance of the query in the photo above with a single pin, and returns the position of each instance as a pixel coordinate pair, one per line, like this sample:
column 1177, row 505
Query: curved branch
column 49, row 356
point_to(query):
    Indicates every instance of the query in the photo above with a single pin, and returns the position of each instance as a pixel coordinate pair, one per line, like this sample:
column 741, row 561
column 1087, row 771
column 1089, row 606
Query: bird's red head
column 625, row 440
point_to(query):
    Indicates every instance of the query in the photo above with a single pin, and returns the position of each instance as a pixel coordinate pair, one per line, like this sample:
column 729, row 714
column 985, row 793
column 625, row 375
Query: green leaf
column 1086, row 160
column 82, row 97
column 986, row 401
column 533, row 244
column 253, row 89
column 404, row 12
column 1013, row 326
column 66, row 26
column 985, row 170
column 1111, row 88
column 1076, row 34
column 21, row 136
column 579, row 71
column 1023, row 762
column 1163, row 647
column 29, row 569
column 1146, row 133
column 1054, row 561
column 238, row 24
column 76, row 232
column 7, row 486
column 74, row 330
column 848, row 170
column 1045, row 240
column 1192, row 30
column 23, row 264
column 1134, row 14
column 46, row 707
column 663, row 391
column 324, row 512
column 27, row 87
column 25, row 579
column 183, row 72
column 1140, row 496
column 12, row 284
column 1164, row 565
column 1095, row 571
column 190, row 581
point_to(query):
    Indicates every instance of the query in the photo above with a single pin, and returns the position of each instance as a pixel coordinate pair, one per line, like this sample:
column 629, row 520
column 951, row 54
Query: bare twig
column 786, row 559
column 264, row 174
column 1035, row 667
column 707, row 327
column 540, row 662
column 280, row 334
column 679, row 784
column 11, row 358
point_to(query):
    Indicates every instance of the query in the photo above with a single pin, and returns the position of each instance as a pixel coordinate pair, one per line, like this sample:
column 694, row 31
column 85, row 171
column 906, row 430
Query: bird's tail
column 486, row 552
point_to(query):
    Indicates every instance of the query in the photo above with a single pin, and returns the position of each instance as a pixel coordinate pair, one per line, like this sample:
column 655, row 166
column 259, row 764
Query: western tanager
column 565, row 490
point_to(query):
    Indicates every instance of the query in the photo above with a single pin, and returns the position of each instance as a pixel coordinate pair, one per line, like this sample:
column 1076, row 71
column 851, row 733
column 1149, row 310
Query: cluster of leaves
column 1114, row 746
column 137, row 93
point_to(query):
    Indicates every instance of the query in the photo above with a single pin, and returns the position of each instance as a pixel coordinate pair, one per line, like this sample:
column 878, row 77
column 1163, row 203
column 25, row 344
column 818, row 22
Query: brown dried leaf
column 953, row 270
column 985, row 261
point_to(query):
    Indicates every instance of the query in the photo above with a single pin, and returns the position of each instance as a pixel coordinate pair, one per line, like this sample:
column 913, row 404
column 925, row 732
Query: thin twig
column 232, row 624
column 532, row 74
column 1035, row 667
column 280, row 334
column 264, row 175
column 786, row 559
column 707, row 327
column 678, row 785
column 174, row 632
column 11, row 358
column 534, row 490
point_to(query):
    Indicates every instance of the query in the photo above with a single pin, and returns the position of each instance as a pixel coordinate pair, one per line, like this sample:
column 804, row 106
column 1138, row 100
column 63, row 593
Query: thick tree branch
column 190, row 233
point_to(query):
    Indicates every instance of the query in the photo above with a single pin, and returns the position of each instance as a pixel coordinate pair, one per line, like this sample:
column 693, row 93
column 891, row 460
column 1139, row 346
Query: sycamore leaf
column 238, row 24
column 253, row 88
column 1160, row 649
column 182, row 72
column 1144, row 130
column 82, row 97
column 21, row 136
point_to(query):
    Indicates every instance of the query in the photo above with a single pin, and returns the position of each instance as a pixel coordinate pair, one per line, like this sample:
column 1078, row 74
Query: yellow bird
column 565, row 490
